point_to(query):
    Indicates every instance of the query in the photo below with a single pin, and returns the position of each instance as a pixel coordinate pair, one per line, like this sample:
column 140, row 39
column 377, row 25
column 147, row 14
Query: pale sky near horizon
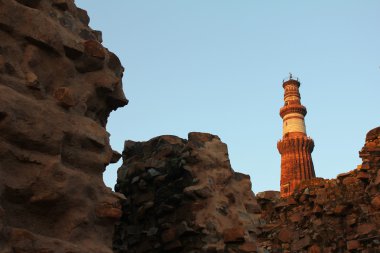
column 217, row 66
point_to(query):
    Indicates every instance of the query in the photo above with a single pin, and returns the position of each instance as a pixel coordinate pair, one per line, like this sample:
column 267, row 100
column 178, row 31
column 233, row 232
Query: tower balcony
column 293, row 108
column 291, row 81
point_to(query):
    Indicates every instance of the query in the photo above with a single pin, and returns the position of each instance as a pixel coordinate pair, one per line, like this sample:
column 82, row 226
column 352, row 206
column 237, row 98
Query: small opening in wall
column 286, row 188
column 3, row 115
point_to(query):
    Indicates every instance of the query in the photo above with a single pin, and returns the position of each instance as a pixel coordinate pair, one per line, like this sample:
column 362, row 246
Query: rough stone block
column 233, row 235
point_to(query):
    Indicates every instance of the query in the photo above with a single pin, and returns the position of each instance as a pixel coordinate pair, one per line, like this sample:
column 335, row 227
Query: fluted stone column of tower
column 295, row 146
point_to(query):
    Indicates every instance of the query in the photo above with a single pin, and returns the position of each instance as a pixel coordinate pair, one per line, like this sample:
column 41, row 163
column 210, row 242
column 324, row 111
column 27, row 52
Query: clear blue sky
column 217, row 66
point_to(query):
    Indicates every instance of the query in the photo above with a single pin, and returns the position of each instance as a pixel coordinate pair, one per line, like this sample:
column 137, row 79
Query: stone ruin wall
column 58, row 85
column 183, row 196
column 337, row 215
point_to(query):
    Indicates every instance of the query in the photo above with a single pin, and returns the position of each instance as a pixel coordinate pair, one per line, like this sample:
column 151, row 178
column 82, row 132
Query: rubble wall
column 337, row 215
column 183, row 196
column 58, row 85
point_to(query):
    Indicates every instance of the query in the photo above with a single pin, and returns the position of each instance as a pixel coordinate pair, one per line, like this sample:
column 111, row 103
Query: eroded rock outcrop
column 183, row 196
column 58, row 85
column 337, row 215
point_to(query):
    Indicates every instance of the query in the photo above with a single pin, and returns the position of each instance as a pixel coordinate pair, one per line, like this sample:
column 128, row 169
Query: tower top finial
column 292, row 80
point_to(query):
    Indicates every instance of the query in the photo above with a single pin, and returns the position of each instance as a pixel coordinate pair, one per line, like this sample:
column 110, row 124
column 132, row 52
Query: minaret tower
column 295, row 146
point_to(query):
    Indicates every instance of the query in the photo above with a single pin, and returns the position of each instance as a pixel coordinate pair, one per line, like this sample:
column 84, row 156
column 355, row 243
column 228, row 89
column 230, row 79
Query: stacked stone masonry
column 332, row 216
column 58, row 85
column 183, row 196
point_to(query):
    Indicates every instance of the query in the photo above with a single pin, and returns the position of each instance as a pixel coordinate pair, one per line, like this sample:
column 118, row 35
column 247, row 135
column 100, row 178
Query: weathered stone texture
column 338, row 215
column 58, row 85
column 183, row 196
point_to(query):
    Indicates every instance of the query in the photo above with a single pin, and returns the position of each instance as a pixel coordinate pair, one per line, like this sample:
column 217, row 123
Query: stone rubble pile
column 58, row 85
column 338, row 215
column 183, row 196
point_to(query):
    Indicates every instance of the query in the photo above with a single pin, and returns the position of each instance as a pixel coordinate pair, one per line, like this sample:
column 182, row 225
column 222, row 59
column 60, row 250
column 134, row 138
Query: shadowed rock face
column 183, row 196
column 58, row 85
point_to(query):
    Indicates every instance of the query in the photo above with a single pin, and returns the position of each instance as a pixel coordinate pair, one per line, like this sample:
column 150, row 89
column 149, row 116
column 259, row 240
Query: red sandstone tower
column 295, row 146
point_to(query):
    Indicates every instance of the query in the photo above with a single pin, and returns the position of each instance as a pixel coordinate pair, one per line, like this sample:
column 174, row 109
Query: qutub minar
column 295, row 146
